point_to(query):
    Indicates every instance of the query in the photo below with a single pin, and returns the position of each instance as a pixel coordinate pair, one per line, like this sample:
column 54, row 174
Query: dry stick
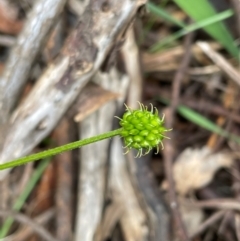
column 64, row 196
column 133, row 221
column 23, row 233
column 7, row 41
column 158, row 215
column 168, row 151
column 237, row 225
column 92, row 173
column 220, row 61
column 26, row 48
column 220, row 203
column 225, row 222
column 236, row 8
column 236, row 187
column 213, row 219
column 29, row 222
column 130, row 53
column 152, row 202
column 94, row 159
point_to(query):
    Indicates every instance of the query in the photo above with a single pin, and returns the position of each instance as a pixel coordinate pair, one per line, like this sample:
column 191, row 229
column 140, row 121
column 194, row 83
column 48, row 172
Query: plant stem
column 24, row 195
column 60, row 149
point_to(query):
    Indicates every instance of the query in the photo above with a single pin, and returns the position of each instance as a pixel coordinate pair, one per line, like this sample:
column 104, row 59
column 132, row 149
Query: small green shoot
column 24, row 195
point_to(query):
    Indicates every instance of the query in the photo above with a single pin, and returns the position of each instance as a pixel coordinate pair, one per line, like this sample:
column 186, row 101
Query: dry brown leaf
column 91, row 99
column 195, row 168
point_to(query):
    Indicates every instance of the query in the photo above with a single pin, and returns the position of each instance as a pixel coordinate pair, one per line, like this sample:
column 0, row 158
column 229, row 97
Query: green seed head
column 142, row 129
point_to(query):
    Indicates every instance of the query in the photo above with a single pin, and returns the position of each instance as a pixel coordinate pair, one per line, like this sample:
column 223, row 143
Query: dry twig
column 169, row 149
column 25, row 51
column 29, row 222
column 92, row 178
column 220, row 61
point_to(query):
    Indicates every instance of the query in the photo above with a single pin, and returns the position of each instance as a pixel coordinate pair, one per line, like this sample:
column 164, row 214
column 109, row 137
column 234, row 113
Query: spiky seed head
column 142, row 129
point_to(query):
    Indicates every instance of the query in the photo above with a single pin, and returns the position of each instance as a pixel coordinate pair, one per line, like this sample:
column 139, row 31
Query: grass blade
column 205, row 123
column 24, row 195
column 202, row 121
column 192, row 27
column 202, row 9
column 161, row 12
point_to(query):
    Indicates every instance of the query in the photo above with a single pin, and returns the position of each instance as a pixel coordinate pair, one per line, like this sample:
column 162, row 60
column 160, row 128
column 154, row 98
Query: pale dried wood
column 111, row 216
column 78, row 6
column 132, row 62
column 153, row 203
column 168, row 60
column 91, row 99
column 40, row 20
column 83, row 54
column 94, row 157
column 220, row 61
column 29, row 222
column 151, row 199
column 23, row 233
column 133, row 220
column 7, row 40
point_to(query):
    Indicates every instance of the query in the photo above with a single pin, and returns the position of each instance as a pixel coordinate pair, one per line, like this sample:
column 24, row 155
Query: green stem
column 60, row 149
column 24, row 195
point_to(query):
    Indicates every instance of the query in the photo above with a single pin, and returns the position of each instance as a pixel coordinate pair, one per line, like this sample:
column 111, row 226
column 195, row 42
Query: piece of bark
column 92, row 98
column 84, row 52
column 43, row 196
column 94, row 158
column 25, row 51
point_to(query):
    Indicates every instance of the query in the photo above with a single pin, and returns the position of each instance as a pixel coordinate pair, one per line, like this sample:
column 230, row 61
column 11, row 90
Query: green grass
column 191, row 28
column 24, row 195
column 161, row 12
column 205, row 17
column 202, row 121
column 205, row 123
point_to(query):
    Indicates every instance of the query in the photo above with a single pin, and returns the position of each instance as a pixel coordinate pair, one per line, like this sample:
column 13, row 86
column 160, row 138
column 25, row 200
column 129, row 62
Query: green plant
column 20, row 201
column 141, row 129
column 203, row 9
column 192, row 27
column 205, row 17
